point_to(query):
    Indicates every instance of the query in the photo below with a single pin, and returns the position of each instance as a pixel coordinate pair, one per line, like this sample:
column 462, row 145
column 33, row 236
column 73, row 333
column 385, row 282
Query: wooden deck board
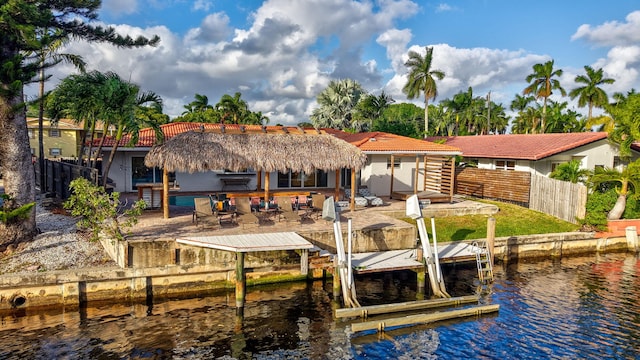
column 250, row 242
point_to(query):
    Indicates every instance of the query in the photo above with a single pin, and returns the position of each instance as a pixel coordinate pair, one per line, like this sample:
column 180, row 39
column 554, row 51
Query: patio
column 153, row 227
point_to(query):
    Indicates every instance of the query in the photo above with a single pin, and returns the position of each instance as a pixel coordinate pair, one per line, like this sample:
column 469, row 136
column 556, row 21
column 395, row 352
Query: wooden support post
column 353, row 190
column 304, row 262
column 266, row 189
column 491, row 236
column 165, row 193
column 337, row 289
column 259, row 181
column 421, row 283
column 241, row 285
column 336, row 193
column 391, row 180
column 415, row 184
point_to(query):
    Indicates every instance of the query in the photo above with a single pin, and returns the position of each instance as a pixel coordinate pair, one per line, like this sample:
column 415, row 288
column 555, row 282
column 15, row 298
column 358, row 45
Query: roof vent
column 372, row 139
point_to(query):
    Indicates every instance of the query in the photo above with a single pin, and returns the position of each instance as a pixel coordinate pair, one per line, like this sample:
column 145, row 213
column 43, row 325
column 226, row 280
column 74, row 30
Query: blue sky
column 281, row 53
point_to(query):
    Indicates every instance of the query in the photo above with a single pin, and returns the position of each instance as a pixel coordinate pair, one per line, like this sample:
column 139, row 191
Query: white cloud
column 202, row 5
column 443, row 7
column 120, row 7
column 612, row 33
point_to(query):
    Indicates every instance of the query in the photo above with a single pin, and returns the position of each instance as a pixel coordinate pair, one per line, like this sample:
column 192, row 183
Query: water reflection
column 585, row 307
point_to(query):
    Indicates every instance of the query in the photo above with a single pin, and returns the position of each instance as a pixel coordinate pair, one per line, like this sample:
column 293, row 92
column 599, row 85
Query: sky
column 280, row 54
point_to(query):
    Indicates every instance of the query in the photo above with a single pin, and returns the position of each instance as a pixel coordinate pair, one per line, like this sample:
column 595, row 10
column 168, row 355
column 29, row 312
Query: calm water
column 577, row 308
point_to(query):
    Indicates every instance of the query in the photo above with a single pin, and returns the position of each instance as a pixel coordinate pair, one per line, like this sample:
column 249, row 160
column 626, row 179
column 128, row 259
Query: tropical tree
column 49, row 56
column 337, row 104
column 570, row 171
column 627, row 123
column 560, row 119
column 541, row 85
column 422, row 79
column 80, row 98
column 628, row 181
column 590, row 94
column 520, row 103
column 124, row 109
column 232, row 109
column 402, row 119
column 19, row 25
column 369, row 109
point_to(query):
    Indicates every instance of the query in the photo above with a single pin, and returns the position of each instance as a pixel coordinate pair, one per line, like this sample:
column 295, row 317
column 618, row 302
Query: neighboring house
column 62, row 139
column 537, row 153
column 128, row 169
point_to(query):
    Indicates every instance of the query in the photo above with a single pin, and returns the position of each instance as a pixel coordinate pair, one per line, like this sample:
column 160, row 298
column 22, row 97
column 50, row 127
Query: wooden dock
column 372, row 262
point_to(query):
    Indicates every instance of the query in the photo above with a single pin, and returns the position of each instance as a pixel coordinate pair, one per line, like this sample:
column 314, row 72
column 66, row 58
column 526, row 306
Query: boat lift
column 431, row 258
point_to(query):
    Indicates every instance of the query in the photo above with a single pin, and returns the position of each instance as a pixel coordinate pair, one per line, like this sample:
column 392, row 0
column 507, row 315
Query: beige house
column 61, row 139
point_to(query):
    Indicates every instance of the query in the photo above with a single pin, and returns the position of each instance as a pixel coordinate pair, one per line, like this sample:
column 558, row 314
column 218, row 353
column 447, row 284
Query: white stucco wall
column 377, row 177
column 599, row 153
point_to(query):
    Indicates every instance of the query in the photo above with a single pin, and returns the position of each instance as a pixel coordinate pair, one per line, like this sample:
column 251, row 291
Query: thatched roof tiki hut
column 264, row 151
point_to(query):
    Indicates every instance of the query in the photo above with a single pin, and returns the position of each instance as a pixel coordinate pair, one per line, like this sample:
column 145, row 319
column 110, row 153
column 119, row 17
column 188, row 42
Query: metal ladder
column 483, row 261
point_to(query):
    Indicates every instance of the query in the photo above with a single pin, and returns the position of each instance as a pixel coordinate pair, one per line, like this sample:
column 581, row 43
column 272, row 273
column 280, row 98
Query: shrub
column 10, row 214
column 597, row 208
column 101, row 212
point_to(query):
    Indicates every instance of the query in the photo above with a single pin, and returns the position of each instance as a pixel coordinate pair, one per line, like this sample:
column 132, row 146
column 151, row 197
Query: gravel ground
column 58, row 247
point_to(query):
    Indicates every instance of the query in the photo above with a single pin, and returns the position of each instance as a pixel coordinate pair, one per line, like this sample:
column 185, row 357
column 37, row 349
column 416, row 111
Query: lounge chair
column 244, row 214
column 286, row 209
column 317, row 201
column 203, row 212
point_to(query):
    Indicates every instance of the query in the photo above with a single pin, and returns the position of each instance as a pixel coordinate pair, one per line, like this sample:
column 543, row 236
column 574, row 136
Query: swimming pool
column 184, row 200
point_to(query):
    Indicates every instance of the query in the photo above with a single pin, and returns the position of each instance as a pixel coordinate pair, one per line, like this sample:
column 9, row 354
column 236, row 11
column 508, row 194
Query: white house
column 382, row 149
column 538, row 153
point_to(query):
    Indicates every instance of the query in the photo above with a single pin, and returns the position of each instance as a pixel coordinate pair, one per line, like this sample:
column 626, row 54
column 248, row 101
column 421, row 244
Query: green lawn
column 510, row 220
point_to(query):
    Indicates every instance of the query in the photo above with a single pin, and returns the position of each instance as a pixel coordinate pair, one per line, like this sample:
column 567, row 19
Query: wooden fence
column 59, row 174
column 503, row 185
column 561, row 199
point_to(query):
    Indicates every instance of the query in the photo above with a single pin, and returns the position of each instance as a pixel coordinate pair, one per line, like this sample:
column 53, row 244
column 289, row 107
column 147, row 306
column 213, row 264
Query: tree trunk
column 618, row 208
column 112, row 155
column 18, row 171
column 426, row 117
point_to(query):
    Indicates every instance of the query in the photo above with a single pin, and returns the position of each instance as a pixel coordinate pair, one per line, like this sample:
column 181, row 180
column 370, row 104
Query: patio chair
column 203, row 212
column 317, row 201
column 244, row 214
column 286, row 209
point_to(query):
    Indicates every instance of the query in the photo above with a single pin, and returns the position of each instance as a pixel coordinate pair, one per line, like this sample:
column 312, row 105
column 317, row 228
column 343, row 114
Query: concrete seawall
column 195, row 270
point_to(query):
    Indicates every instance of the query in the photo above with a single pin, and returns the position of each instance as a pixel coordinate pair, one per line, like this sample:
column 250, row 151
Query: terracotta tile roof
column 520, row 146
column 146, row 137
column 369, row 142
column 380, row 142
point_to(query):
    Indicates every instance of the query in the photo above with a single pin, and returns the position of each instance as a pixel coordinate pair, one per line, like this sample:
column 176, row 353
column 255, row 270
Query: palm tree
column 122, row 109
column 591, row 94
column 627, row 123
column 520, row 103
column 628, row 179
column 422, row 79
column 542, row 84
column 570, row 171
column 48, row 56
column 337, row 104
column 232, row 109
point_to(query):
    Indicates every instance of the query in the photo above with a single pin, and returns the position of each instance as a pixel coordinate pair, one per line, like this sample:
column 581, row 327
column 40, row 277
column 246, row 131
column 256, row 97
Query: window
column 55, row 152
column 32, row 134
column 297, row 179
column 554, row 165
column 396, row 163
column 54, row 132
column 505, row 165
